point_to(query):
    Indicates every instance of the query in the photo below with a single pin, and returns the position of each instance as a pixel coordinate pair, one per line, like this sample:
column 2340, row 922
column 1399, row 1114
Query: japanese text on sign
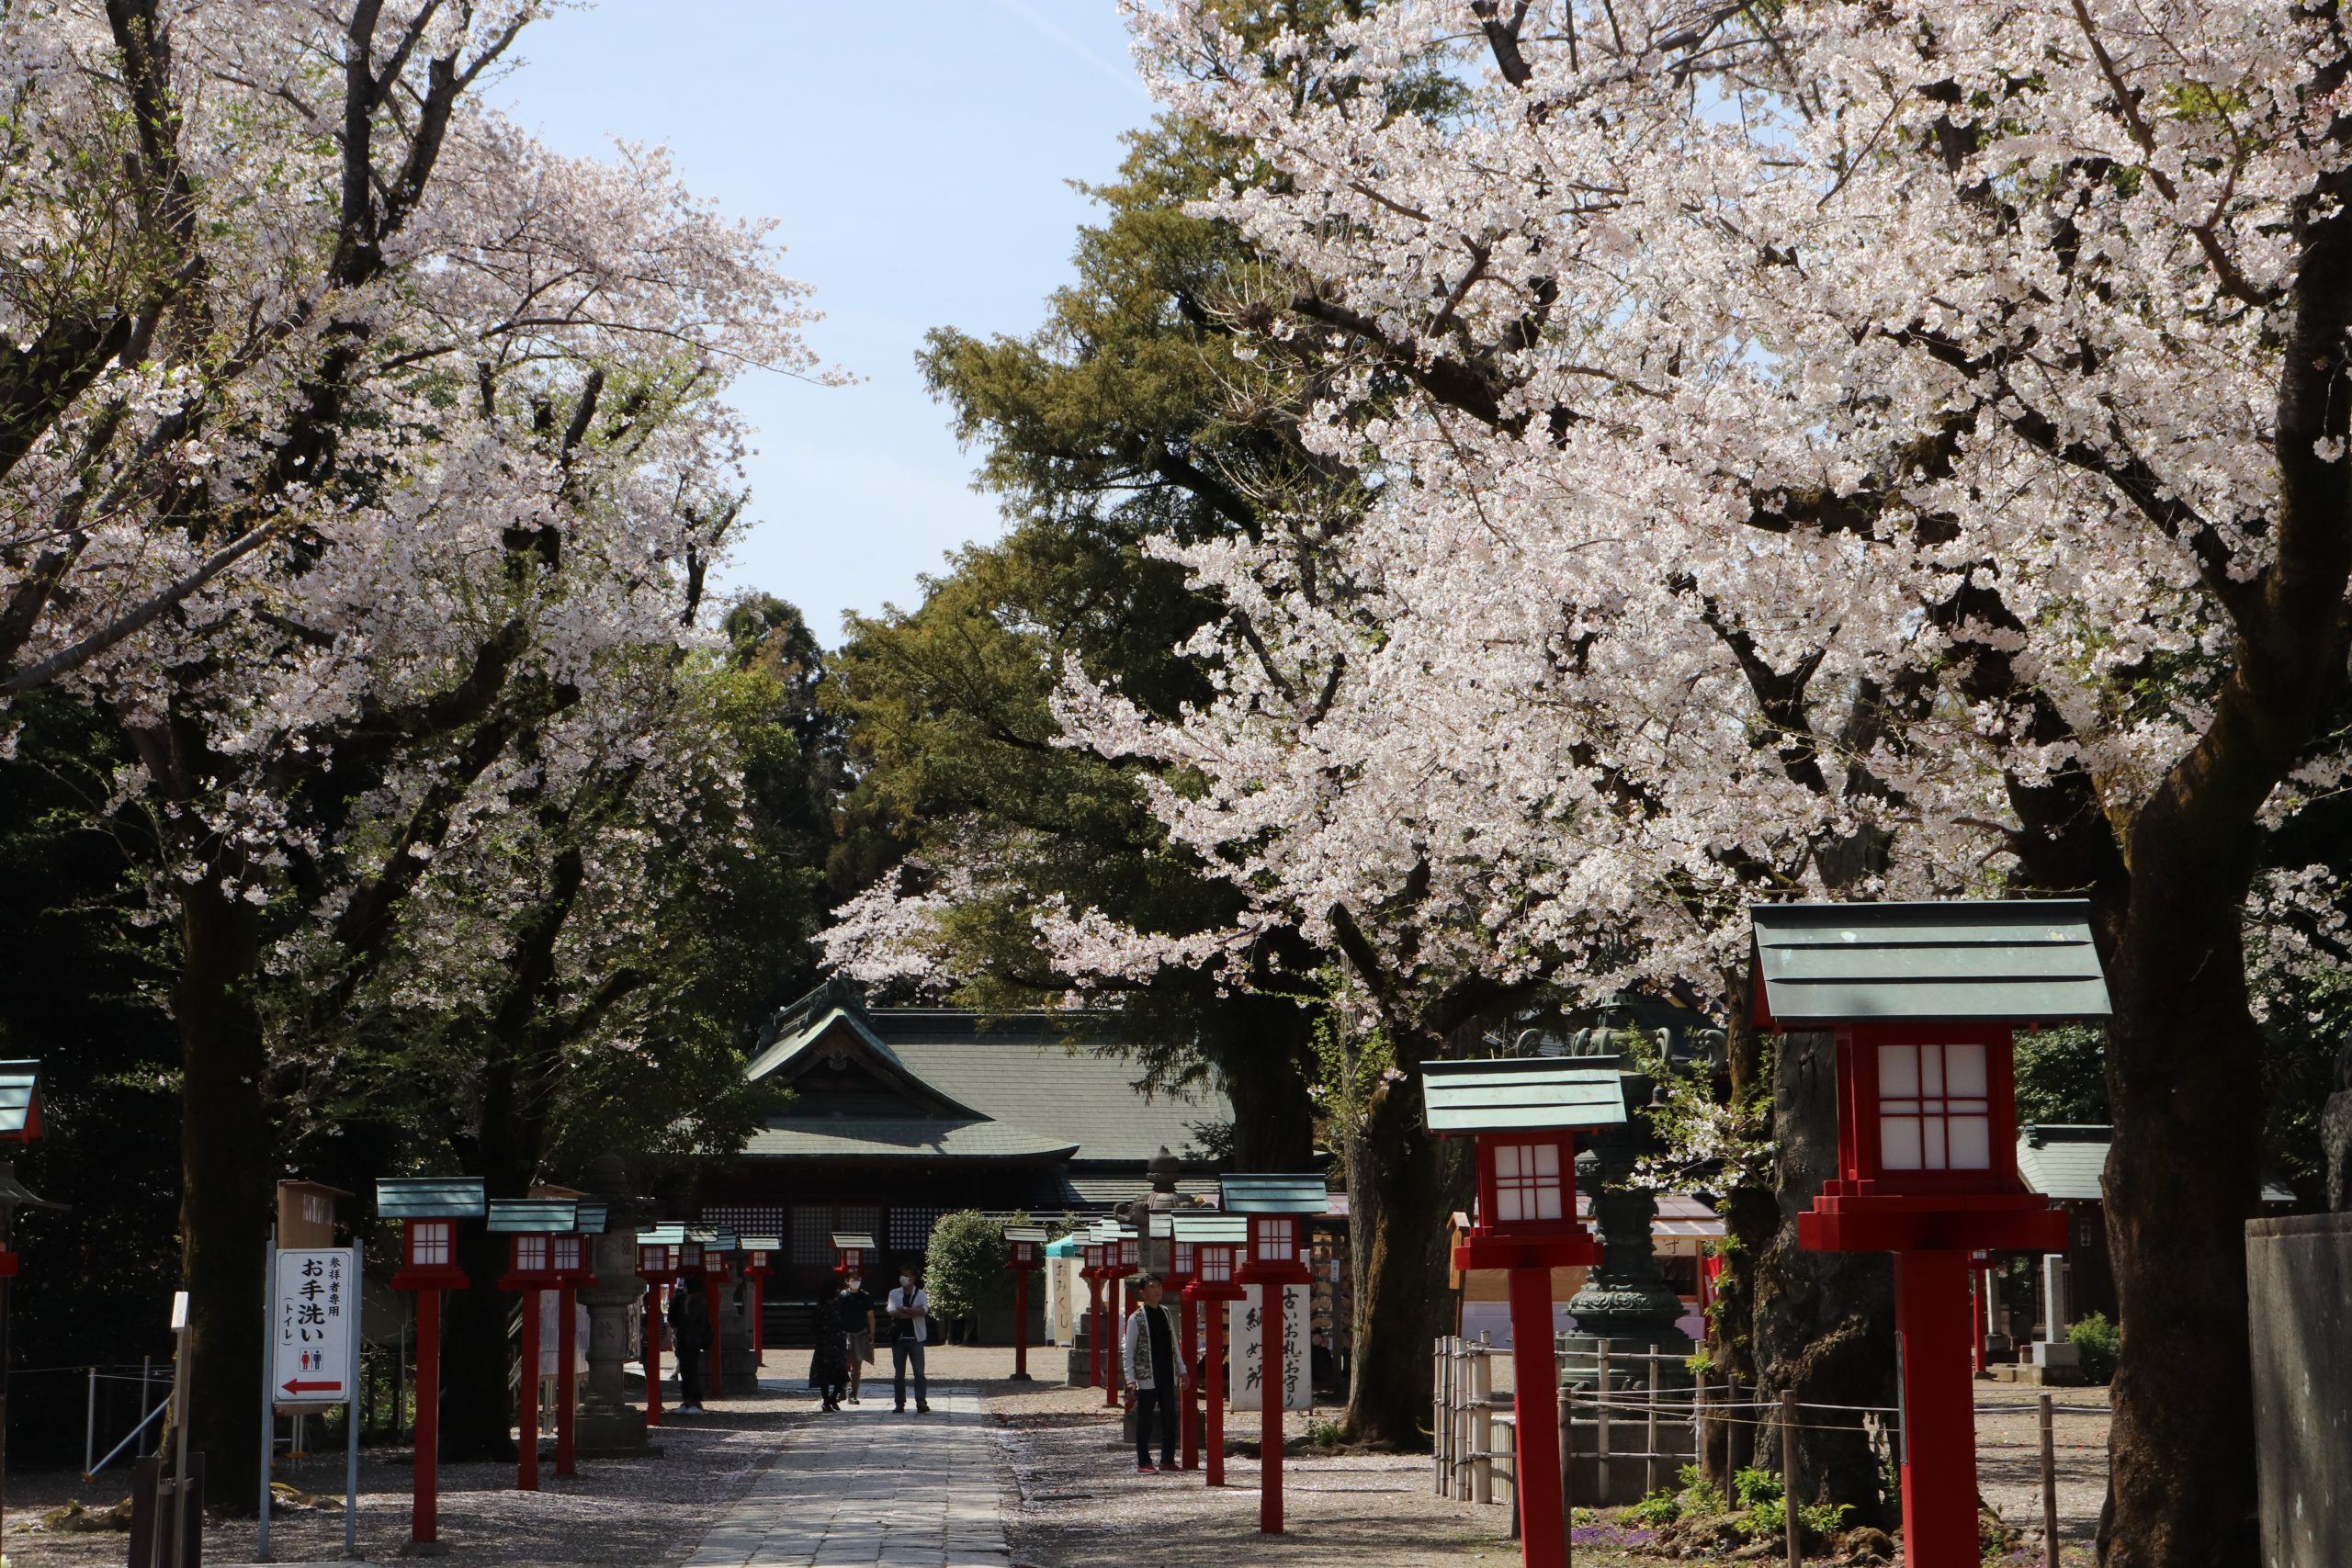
column 314, row 1326
column 1245, row 1328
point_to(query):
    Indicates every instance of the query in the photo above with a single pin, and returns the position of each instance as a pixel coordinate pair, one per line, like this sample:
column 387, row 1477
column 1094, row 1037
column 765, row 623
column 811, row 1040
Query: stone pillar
column 739, row 1369
column 2299, row 1287
column 2335, row 1135
column 1625, row 1299
column 2055, row 1354
column 609, row 1426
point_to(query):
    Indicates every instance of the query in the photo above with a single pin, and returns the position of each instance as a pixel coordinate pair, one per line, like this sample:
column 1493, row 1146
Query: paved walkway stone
column 871, row 1488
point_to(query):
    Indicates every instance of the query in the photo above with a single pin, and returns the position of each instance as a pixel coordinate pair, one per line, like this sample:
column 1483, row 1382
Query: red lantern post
column 1923, row 999
column 1122, row 1259
column 1205, row 1249
column 1179, row 1276
column 1524, row 1113
column 1276, row 1208
column 850, row 1250
column 757, row 1251
column 531, row 1223
column 1093, row 1274
column 717, row 1245
column 575, row 1272
column 658, row 1260
column 1025, row 1249
column 428, row 1209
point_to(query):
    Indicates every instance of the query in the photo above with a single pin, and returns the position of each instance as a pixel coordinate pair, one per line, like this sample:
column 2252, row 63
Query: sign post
column 313, row 1360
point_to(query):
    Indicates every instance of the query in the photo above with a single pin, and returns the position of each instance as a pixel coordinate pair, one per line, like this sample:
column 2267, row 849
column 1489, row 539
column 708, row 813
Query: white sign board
column 1245, row 1321
column 314, row 1327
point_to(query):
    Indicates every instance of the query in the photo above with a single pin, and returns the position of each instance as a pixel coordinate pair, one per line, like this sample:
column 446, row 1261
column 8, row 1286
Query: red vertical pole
column 711, row 1289
column 652, row 1337
column 1543, row 1534
column 526, row 1398
column 759, row 1324
column 1939, row 1412
column 566, row 1375
column 425, row 1510
column 1021, row 1323
column 1271, row 1324
column 1213, row 1378
column 1188, row 1419
column 1980, row 1281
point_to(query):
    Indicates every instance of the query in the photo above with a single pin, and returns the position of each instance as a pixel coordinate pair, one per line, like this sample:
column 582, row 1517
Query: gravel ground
column 621, row 1513
column 2008, row 1458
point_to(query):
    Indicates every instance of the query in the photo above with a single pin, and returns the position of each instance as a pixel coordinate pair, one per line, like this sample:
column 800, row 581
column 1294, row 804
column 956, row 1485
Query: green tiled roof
column 1523, row 1094
column 19, row 1100
column 429, row 1197
column 2017, row 959
column 544, row 1216
column 1095, row 1190
column 860, row 1137
column 1301, row 1194
column 590, row 1220
column 1213, row 1228
column 2064, row 1162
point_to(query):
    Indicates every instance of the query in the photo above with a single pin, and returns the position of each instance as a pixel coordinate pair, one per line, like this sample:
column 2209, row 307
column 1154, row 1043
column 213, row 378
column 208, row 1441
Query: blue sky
column 916, row 156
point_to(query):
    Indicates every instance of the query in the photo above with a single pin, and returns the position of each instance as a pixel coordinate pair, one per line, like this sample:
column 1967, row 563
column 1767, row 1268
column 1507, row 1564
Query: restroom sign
column 314, row 1326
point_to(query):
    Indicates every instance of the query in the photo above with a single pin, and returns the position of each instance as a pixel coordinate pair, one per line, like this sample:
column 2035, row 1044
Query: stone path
column 871, row 1488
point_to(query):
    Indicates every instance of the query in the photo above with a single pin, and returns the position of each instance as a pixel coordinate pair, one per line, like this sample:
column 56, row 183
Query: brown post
column 1789, row 1477
column 2049, row 1487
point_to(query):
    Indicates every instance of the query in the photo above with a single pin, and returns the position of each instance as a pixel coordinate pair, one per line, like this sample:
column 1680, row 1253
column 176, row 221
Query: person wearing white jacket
column 1154, row 1362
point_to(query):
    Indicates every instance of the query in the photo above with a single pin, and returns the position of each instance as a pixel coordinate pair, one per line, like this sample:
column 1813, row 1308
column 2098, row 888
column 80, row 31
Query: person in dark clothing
column 855, row 1306
column 690, row 1335
column 1155, row 1368
column 829, row 1362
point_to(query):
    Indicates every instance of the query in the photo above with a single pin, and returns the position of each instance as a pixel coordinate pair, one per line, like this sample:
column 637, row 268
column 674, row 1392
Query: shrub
column 1699, row 1495
column 1754, row 1487
column 965, row 1266
column 2096, row 1343
column 1323, row 1434
column 1655, row 1511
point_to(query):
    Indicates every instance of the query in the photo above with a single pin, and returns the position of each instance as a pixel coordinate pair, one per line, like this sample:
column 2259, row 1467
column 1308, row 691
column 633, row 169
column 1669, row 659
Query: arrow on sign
column 295, row 1386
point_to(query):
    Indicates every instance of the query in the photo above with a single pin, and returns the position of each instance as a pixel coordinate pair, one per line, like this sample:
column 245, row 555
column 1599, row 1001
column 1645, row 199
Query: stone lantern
column 608, row 1422
column 1922, row 999
column 530, row 1225
column 757, row 1251
column 1277, row 1208
column 428, row 1209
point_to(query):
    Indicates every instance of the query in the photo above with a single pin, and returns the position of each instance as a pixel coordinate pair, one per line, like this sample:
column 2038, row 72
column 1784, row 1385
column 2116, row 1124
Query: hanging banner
column 314, row 1327
column 1245, row 1327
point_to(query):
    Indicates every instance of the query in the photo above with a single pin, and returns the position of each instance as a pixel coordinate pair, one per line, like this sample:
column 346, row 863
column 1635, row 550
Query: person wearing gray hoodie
column 1154, row 1362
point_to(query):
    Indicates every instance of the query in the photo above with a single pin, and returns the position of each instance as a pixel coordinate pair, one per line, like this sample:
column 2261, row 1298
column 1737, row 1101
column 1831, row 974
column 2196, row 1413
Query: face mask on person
column 854, row 1283
column 907, row 1280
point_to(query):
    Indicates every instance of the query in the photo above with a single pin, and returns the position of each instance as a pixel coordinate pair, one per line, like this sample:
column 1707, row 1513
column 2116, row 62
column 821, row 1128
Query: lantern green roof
column 858, row 1239
column 533, row 1216
column 1212, row 1229
column 724, row 1241
column 762, row 1244
column 2028, row 960
column 1025, row 1232
column 663, row 1236
column 429, row 1198
column 19, row 1100
column 591, row 1216
column 1302, row 1194
column 1522, row 1094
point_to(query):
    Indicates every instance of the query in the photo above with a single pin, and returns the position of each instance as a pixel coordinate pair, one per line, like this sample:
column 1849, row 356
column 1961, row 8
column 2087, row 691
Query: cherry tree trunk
column 1403, row 1187
column 2185, row 1080
column 227, row 1180
column 1823, row 1322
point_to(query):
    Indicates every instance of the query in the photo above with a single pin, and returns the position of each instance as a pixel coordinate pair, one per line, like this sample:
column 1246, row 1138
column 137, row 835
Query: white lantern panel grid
column 1934, row 1108
column 1527, row 1183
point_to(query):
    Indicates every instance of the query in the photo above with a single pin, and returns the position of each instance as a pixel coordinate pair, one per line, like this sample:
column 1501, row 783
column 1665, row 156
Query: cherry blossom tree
column 1877, row 450
column 359, row 440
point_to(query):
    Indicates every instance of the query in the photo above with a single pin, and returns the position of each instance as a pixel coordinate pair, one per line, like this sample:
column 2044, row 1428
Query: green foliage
column 2097, row 1343
column 1325, row 1434
column 1753, row 1487
column 2062, row 1075
column 963, row 1265
column 1660, row 1508
column 1699, row 1495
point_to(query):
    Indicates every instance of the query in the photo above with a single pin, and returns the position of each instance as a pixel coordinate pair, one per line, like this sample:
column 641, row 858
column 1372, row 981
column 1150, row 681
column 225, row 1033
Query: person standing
column 910, row 1312
column 855, row 1306
column 829, row 1362
column 1154, row 1371
column 690, row 1335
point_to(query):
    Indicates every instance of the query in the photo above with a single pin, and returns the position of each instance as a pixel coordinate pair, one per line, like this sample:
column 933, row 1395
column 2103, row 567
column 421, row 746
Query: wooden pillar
column 527, row 1400
column 567, row 1376
column 1938, row 1411
column 425, row 1510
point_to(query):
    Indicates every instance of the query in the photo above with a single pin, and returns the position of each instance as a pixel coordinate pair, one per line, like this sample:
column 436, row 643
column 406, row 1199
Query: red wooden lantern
column 575, row 1272
column 1122, row 1258
column 757, row 1251
column 530, row 1224
column 1092, row 1273
column 1206, row 1246
column 1922, row 999
column 428, row 1209
column 1276, row 1208
column 1024, row 1252
column 660, row 1261
column 851, row 1249
column 716, row 1247
column 1524, row 1113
